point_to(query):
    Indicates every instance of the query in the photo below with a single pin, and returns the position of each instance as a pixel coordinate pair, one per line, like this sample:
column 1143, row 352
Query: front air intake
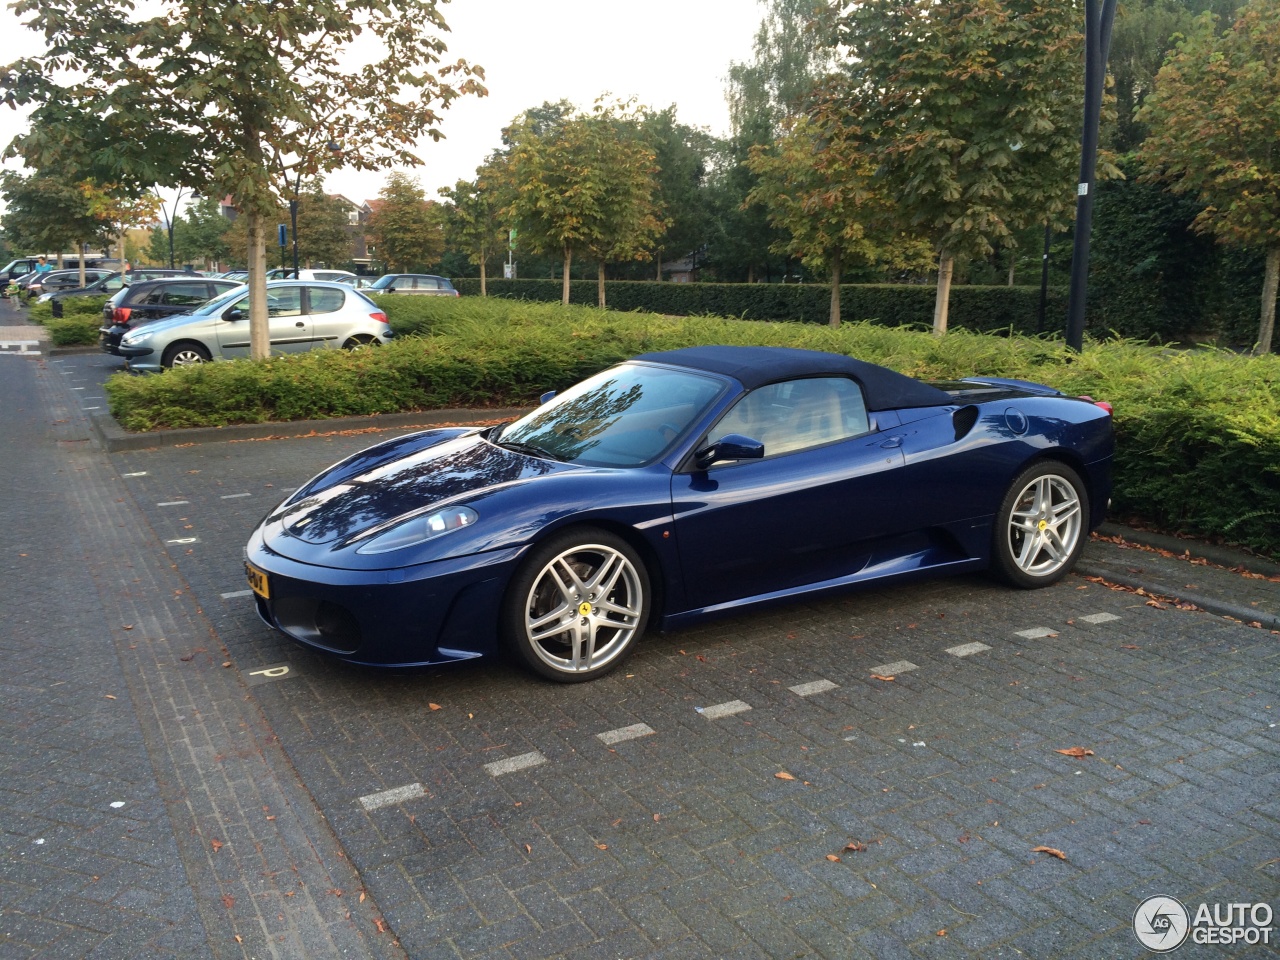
column 963, row 420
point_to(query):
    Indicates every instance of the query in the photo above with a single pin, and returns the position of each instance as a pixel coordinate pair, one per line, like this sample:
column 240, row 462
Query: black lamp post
column 168, row 218
column 1097, row 47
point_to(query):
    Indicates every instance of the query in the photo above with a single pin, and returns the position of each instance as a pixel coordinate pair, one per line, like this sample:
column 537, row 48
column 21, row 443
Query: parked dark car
column 115, row 282
column 52, row 280
column 145, row 300
column 418, row 283
column 671, row 488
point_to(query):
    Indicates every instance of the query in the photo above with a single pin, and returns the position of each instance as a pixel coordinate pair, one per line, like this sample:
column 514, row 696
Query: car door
column 167, row 299
column 329, row 325
column 809, row 511
column 289, row 330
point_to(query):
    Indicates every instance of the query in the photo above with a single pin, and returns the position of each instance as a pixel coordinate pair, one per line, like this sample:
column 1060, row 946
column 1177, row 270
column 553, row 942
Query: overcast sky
column 661, row 53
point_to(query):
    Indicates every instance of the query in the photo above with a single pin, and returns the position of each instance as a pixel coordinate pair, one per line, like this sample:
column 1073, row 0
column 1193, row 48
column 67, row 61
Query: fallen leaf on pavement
column 1075, row 752
column 1051, row 851
column 216, row 844
column 881, row 676
column 783, row 775
column 833, row 858
column 433, row 706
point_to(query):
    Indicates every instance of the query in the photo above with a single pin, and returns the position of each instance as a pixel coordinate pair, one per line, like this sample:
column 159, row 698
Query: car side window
column 797, row 414
column 325, row 299
column 184, row 294
column 285, row 303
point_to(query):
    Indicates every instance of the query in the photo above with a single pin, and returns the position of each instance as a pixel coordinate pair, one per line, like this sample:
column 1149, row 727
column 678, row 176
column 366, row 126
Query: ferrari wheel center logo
column 1044, row 525
column 584, row 608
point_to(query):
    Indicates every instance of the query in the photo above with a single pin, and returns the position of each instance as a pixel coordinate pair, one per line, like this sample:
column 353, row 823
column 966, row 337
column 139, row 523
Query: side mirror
column 390, row 289
column 233, row 315
column 546, row 396
column 732, row 446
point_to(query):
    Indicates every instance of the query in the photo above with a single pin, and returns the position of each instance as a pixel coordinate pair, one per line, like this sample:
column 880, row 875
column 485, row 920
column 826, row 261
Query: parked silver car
column 304, row 315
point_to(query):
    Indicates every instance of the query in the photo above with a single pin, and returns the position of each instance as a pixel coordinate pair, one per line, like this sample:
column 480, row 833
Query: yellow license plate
column 257, row 580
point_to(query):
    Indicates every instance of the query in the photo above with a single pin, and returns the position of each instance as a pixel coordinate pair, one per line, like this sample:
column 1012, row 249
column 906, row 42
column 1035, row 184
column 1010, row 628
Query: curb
column 1221, row 608
column 1223, row 556
column 115, row 439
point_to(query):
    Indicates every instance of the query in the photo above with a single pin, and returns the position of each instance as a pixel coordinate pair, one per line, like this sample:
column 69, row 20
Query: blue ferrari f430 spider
column 673, row 487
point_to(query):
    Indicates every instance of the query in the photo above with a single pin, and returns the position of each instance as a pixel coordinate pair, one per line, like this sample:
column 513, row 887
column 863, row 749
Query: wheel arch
column 653, row 563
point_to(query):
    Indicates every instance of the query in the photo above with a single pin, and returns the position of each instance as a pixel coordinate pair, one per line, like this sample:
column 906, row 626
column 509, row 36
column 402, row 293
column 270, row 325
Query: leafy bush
column 1198, row 433
column 74, row 331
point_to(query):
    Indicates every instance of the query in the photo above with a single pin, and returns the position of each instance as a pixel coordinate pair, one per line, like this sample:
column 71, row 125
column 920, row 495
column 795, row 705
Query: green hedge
column 984, row 309
column 1198, row 433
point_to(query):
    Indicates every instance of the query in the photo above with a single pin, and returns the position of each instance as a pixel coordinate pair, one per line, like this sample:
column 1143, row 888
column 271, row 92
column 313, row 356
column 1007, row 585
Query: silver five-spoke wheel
column 1042, row 525
column 578, row 605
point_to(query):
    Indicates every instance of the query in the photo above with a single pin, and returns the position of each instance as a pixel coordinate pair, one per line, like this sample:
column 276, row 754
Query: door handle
column 891, row 442
column 299, row 324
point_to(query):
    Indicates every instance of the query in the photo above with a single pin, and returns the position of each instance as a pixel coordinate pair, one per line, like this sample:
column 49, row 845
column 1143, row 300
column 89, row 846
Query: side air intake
column 963, row 420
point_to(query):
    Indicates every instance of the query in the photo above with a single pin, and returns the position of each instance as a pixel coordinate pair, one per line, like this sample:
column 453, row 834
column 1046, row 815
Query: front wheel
column 577, row 605
column 1042, row 525
column 184, row 355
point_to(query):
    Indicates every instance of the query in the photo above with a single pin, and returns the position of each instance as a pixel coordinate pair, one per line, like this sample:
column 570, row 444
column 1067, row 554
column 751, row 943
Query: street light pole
column 1097, row 47
column 335, row 148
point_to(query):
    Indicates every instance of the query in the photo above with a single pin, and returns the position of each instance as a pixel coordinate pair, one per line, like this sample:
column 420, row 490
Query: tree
column 324, row 228
column 474, row 223
column 971, row 113
column 403, row 232
column 683, row 157
column 201, row 235
column 585, row 186
column 762, row 93
column 51, row 212
column 1214, row 128
column 818, row 187
column 233, row 98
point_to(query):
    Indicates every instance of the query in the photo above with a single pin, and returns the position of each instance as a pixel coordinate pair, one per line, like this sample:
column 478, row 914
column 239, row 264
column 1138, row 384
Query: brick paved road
column 644, row 815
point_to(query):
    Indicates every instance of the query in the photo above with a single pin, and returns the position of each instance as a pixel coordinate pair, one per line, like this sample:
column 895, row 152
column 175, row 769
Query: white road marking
column 510, row 765
column 816, row 686
column 1100, row 618
column 967, row 649
column 723, row 709
column 387, row 798
column 610, row 737
column 236, row 594
column 1035, row 633
column 174, row 503
column 232, row 496
column 892, row 669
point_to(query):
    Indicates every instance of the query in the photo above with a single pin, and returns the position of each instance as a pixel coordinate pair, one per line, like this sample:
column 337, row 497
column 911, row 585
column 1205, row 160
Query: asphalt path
column 756, row 787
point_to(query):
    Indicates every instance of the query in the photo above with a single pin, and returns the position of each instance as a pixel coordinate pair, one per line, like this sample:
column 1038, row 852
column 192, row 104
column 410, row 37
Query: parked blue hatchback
column 674, row 487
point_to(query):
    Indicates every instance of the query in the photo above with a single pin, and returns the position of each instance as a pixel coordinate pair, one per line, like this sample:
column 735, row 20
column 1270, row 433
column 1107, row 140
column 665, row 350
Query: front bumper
column 428, row 614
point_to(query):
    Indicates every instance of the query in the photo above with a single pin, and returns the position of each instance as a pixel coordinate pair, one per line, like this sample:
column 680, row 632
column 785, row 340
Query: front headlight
column 133, row 339
column 420, row 530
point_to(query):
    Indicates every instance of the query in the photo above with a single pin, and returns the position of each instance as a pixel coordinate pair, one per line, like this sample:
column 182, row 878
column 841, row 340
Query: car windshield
column 627, row 416
column 385, row 281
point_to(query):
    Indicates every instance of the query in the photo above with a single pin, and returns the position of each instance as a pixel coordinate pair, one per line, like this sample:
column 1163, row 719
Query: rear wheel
column 184, row 355
column 577, row 605
column 361, row 340
column 1042, row 525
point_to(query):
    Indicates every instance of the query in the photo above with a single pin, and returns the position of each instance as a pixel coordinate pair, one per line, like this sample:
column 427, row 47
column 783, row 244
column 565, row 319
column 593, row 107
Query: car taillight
column 1098, row 403
column 120, row 315
column 456, row 293
column 380, row 317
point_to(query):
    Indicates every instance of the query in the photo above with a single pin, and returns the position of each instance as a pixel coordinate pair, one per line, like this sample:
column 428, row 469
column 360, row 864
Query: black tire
column 1041, row 527
column 577, row 605
column 184, row 354
column 361, row 340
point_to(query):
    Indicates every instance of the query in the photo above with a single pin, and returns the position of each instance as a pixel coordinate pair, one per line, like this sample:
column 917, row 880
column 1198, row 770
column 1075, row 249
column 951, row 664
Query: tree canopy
column 1214, row 129
column 232, row 98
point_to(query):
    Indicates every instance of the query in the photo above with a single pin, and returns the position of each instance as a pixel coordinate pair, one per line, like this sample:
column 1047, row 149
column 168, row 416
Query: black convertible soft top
column 883, row 389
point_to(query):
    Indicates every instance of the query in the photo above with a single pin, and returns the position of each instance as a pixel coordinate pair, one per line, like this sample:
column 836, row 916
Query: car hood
column 456, row 467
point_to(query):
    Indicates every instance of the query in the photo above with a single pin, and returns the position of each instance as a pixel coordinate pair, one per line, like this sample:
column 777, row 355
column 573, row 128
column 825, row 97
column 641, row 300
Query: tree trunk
column 834, row 319
column 564, row 284
column 600, row 285
column 658, row 260
column 1012, row 263
column 484, row 292
column 259, row 320
column 1271, row 281
column 82, row 260
column 946, row 267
